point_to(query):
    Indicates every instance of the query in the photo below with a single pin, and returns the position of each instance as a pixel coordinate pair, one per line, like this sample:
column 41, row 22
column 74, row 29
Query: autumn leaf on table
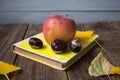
column 84, row 35
column 101, row 66
column 6, row 68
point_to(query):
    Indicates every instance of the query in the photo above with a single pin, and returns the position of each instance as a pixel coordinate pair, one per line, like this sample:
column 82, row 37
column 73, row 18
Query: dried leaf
column 6, row 68
column 95, row 69
column 100, row 66
column 106, row 65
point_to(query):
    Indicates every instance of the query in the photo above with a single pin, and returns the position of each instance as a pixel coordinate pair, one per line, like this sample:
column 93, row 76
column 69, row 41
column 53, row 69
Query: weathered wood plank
column 37, row 71
column 39, row 17
column 110, row 39
column 36, row 11
column 38, row 5
column 79, row 70
column 10, row 34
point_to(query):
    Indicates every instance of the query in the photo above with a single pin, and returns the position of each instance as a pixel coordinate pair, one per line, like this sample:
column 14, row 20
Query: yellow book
column 48, row 57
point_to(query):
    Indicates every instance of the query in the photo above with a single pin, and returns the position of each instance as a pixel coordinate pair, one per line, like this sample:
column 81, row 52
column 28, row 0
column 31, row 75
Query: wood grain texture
column 31, row 70
column 40, row 17
column 10, row 34
column 46, row 5
column 36, row 11
column 79, row 70
column 109, row 38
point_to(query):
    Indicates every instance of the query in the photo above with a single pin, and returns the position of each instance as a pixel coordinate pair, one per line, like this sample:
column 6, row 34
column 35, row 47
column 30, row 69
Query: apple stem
column 66, row 15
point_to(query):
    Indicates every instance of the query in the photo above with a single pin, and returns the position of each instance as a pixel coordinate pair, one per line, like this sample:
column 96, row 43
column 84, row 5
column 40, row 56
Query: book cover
column 47, row 56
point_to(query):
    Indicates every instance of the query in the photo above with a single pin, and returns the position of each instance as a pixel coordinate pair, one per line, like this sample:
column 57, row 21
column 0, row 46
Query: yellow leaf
column 82, row 35
column 6, row 68
column 115, row 70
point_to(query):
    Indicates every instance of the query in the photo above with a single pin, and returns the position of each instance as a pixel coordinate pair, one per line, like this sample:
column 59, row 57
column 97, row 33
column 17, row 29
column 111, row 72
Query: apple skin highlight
column 59, row 27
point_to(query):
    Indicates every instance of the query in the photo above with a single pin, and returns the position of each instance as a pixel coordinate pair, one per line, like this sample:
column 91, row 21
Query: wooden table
column 31, row 70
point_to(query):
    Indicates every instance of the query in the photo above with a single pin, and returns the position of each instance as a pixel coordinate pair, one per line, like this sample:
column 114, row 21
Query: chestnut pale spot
column 75, row 45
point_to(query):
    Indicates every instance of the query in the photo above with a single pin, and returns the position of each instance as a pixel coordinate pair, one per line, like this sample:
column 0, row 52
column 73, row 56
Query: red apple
column 59, row 27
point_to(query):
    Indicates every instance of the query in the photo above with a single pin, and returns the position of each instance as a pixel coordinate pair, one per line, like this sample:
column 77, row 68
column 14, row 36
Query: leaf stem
column 109, row 77
column 100, row 45
column 6, row 76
